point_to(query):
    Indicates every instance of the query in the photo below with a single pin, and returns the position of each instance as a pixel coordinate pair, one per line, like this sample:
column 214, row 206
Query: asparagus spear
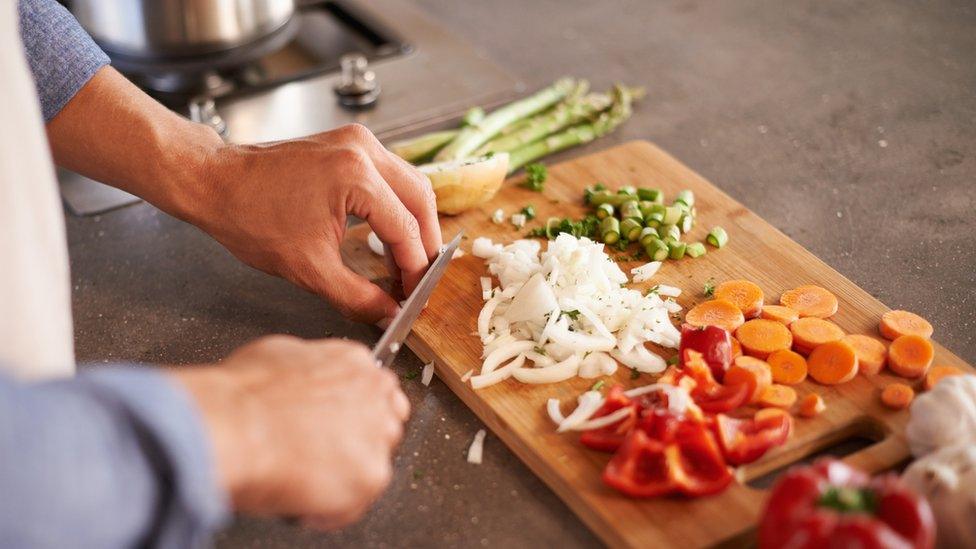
column 418, row 150
column 576, row 135
column 472, row 137
column 568, row 113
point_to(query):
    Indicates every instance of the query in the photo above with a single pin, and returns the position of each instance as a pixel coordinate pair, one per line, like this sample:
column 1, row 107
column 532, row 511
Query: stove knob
column 357, row 86
column 204, row 110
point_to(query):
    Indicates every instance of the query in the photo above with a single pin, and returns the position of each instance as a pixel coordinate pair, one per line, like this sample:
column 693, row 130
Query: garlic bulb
column 944, row 416
column 947, row 478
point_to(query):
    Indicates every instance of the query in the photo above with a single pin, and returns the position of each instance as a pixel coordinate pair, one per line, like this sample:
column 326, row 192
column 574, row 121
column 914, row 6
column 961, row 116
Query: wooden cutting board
column 516, row 413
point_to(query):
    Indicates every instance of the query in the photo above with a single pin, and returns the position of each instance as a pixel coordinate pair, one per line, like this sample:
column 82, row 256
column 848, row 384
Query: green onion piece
column 672, row 214
column 656, row 249
column 687, row 197
column 646, row 208
column 686, row 223
column 529, row 211
column 669, row 231
column 683, row 207
column 604, row 211
column 652, row 195
column 630, row 229
column 646, row 234
column 696, row 249
column 717, row 237
column 610, row 230
column 551, row 224
column 604, row 197
column 676, row 250
column 629, row 190
column 630, row 210
column 598, row 385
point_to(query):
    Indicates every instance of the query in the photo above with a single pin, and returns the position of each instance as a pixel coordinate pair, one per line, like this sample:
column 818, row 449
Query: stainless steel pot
column 167, row 29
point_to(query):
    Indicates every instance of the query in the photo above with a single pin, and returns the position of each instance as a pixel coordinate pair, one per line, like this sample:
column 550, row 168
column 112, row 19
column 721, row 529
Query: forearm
column 112, row 132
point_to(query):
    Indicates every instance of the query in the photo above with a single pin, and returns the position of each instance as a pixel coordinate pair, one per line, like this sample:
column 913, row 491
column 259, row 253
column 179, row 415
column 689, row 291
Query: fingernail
column 385, row 323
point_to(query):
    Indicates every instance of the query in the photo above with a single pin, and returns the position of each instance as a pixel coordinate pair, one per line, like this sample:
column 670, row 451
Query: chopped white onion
column 485, row 288
column 555, row 414
column 495, row 376
column 602, row 421
column 483, row 247
column 477, row 448
column 467, row 375
column 518, row 220
column 678, row 398
column 427, row 374
column 505, row 352
column 668, row 291
column 646, row 271
column 589, row 403
column 374, row 243
column 596, row 364
column 498, row 216
column 640, row 359
column 458, row 252
column 559, row 371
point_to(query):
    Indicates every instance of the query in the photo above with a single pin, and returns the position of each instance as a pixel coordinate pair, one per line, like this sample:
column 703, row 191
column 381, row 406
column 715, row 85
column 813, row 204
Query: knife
column 388, row 345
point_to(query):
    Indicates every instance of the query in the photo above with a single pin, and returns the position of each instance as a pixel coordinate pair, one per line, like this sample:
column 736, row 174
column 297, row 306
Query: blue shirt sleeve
column 116, row 457
column 61, row 55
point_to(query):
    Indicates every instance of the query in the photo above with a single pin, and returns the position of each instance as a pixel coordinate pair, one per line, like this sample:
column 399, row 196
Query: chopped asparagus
column 604, row 211
column 656, row 249
column 610, row 230
column 651, row 195
column 418, row 150
column 630, row 229
column 630, row 210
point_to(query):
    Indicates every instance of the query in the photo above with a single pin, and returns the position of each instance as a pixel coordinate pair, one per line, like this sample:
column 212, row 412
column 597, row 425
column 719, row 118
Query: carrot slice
column 770, row 412
column 937, row 373
column 759, row 337
column 743, row 294
column 895, row 324
column 833, row 363
column 871, row 353
column 897, row 396
column 910, row 356
column 779, row 313
column 736, row 348
column 810, row 301
column 809, row 333
column 787, row 367
column 718, row 312
column 751, row 371
column 812, row 405
column 778, row 396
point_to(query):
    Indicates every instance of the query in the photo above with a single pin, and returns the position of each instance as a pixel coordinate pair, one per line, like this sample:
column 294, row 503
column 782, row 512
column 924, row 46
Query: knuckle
column 355, row 132
column 350, row 157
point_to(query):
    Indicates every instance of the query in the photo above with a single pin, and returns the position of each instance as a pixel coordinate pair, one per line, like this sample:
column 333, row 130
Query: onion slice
column 477, row 449
column 374, row 243
column 427, row 374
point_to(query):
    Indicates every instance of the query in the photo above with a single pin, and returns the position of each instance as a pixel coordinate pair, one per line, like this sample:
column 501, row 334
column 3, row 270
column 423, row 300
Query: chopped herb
column 529, row 212
column 418, row 474
column 654, row 289
column 539, row 350
column 634, row 374
column 709, row 289
column 490, row 154
column 412, row 374
column 573, row 315
column 673, row 360
column 597, row 386
column 535, row 177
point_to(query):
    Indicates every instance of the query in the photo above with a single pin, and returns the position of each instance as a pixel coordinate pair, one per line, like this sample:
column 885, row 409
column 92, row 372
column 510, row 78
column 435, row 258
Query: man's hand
column 280, row 207
column 300, row 429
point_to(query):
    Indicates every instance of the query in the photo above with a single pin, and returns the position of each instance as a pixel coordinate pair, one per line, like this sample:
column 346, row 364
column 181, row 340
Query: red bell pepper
column 708, row 394
column 714, row 343
column 746, row 440
column 685, row 460
column 831, row 504
column 609, row 438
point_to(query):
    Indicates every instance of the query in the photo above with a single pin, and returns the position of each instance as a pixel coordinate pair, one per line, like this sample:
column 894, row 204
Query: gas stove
column 381, row 63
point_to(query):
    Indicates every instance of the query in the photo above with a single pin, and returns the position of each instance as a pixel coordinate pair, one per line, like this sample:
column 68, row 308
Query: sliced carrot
column 717, row 312
column 759, row 337
column 779, row 313
column 787, row 367
column 812, row 405
column 751, row 371
column 810, row 301
column 809, row 333
column 736, row 348
column 871, row 353
column 897, row 396
column 743, row 294
column 778, row 396
column 832, row 363
column 895, row 324
column 936, row 373
column 910, row 356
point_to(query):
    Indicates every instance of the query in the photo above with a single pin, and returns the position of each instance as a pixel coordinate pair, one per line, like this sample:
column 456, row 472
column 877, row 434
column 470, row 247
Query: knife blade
column 392, row 339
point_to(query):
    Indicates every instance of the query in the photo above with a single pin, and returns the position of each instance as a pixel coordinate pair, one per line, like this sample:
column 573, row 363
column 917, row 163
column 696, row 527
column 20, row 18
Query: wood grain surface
column 516, row 413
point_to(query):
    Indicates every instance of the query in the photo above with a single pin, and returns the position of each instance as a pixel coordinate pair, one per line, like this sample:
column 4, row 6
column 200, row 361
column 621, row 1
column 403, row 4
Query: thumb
column 351, row 294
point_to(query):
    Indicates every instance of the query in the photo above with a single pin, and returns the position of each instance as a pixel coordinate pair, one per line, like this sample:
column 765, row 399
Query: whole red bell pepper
column 831, row 504
column 668, row 455
column 714, row 343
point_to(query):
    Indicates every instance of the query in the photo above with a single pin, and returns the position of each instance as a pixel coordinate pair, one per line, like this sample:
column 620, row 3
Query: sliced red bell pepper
column 746, row 440
column 609, row 438
column 831, row 504
column 708, row 394
column 688, row 461
column 714, row 343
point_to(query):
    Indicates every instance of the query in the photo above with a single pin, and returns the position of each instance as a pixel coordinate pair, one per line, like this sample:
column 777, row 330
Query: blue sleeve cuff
column 196, row 505
column 61, row 55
